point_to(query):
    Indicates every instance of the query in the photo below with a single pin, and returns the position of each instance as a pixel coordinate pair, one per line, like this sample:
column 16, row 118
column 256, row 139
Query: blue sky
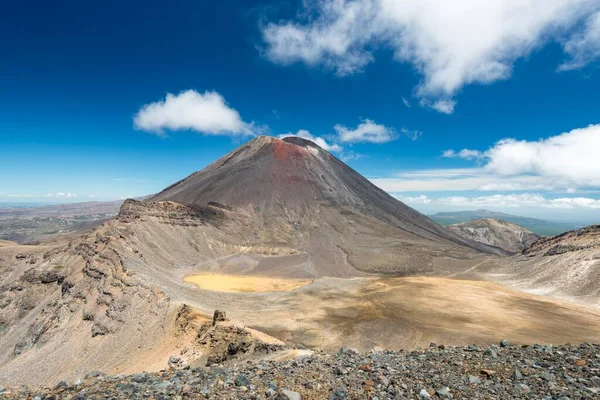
column 397, row 89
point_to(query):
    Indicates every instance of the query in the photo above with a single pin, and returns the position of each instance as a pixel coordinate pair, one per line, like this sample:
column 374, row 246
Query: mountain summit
column 301, row 196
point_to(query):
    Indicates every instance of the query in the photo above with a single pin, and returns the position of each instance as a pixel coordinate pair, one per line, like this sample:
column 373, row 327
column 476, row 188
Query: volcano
column 300, row 196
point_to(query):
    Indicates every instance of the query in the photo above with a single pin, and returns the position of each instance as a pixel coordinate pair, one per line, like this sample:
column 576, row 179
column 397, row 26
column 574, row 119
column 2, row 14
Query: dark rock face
column 536, row 372
column 218, row 316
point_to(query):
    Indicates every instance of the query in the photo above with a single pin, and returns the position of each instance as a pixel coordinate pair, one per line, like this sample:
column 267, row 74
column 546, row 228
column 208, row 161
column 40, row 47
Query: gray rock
column 139, row 378
column 547, row 376
column 338, row 394
column 163, row 385
column 504, row 343
column 490, row 353
column 424, row 394
column 290, row 395
column 384, row 381
column 523, row 387
column 444, row 393
column 242, row 380
column 347, row 350
column 474, row 380
column 61, row 385
column 517, row 375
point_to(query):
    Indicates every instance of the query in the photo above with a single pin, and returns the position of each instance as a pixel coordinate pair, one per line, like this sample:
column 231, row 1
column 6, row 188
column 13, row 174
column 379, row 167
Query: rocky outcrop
column 566, row 265
column 497, row 233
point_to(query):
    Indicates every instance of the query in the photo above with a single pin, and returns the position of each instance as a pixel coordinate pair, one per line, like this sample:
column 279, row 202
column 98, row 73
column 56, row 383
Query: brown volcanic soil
column 408, row 312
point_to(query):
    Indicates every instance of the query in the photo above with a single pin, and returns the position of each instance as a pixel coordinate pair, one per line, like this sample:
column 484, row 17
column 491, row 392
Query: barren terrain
column 497, row 233
column 325, row 260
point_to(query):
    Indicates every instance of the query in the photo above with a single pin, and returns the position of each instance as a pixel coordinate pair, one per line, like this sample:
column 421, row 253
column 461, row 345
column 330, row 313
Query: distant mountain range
column 538, row 226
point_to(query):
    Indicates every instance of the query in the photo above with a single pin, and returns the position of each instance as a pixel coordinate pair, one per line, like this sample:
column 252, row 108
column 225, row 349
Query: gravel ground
column 497, row 372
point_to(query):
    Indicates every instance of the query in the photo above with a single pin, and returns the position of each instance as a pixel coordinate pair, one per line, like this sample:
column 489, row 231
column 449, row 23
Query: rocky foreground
column 496, row 372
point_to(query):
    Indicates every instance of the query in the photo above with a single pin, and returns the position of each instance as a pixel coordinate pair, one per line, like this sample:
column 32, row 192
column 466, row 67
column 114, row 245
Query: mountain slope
column 537, row 226
column 304, row 198
column 567, row 265
column 498, row 233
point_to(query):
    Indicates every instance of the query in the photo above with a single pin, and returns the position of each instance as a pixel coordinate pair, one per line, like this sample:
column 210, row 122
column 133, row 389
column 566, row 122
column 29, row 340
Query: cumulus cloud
column 322, row 143
column 207, row 113
column 571, row 156
column 450, row 43
column 566, row 161
column 366, row 131
column 506, row 200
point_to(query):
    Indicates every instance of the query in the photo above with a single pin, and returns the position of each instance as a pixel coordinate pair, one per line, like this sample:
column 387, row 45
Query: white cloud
column 449, row 153
column 506, row 200
column 465, row 154
column 450, row 43
column 568, row 161
column 584, row 46
column 304, row 134
column 65, row 195
column 571, row 157
column 405, row 102
column 207, row 113
column 445, row 106
column 366, row 131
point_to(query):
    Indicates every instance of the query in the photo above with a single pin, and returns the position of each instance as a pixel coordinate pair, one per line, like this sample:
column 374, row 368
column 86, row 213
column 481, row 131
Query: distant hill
column 537, row 226
column 566, row 265
column 495, row 232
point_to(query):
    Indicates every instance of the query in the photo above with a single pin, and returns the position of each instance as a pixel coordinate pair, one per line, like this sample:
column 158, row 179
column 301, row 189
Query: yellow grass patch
column 246, row 284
